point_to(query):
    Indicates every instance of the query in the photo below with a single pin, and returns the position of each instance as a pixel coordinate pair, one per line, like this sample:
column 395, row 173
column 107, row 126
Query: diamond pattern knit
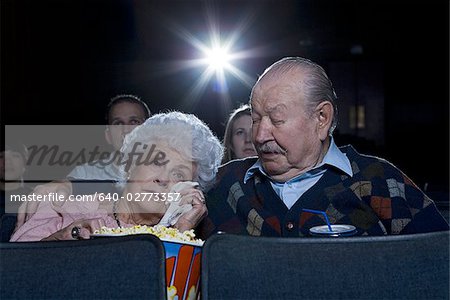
column 379, row 199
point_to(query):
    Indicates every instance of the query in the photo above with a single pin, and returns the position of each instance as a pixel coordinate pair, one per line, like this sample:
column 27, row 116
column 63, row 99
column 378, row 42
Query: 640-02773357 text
column 162, row 197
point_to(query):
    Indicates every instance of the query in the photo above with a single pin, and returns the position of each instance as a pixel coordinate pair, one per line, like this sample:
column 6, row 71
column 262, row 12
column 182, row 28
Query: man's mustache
column 270, row 147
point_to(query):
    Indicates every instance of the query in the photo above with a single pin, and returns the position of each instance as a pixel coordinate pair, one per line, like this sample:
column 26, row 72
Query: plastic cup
column 333, row 230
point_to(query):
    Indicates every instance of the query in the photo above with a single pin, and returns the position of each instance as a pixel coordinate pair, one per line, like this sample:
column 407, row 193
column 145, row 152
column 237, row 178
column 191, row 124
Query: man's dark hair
column 129, row 99
column 15, row 146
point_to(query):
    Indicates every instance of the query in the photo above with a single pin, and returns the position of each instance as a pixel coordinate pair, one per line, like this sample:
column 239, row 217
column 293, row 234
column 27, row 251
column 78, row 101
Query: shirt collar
column 334, row 157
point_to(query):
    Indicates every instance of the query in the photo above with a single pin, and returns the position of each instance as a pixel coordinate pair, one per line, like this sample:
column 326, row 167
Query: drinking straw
column 320, row 213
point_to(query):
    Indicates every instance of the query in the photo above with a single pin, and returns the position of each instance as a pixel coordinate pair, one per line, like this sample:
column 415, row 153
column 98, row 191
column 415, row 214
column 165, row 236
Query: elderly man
column 300, row 167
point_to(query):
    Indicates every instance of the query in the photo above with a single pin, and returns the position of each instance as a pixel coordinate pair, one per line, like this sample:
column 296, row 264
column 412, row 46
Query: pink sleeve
column 49, row 219
column 43, row 223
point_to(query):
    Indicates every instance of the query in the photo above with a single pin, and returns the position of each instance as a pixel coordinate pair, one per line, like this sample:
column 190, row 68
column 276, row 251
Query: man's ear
column 108, row 135
column 325, row 113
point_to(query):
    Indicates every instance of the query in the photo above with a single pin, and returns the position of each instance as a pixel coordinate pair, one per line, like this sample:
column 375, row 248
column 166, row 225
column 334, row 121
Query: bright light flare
column 217, row 58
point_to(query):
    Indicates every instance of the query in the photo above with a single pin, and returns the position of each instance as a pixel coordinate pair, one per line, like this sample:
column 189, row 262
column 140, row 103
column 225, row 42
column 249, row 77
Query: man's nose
column 9, row 162
column 127, row 128
column 262, row 131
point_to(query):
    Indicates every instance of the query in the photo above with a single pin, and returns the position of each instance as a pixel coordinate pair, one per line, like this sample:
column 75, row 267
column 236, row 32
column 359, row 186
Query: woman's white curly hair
column 185, row 133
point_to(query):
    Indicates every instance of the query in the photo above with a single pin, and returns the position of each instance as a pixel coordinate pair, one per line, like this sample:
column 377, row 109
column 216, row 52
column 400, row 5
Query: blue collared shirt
column 291, row 190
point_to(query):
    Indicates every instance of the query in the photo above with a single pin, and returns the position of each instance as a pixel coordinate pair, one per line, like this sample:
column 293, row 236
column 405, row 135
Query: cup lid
column 337, row 229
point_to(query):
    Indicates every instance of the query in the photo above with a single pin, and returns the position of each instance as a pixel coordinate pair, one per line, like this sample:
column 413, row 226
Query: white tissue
column 175, row 210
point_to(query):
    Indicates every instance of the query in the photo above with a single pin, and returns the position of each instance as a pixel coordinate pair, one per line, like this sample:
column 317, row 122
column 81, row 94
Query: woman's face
column 150, row 185
column 241, row 139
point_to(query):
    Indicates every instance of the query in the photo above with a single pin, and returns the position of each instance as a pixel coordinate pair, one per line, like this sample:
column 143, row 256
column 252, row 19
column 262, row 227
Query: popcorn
column 162, row 232
column 171, row 292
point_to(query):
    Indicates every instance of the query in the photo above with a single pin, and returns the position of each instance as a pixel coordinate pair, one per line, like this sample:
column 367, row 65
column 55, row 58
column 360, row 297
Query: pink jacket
column 49, row 219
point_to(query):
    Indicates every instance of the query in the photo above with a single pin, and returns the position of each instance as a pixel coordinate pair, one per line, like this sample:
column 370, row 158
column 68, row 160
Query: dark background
column 61, row 60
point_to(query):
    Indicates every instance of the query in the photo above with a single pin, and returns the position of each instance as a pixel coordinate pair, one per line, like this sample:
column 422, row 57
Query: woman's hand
column 80, row 229
column 191, row 218
column 29, row 208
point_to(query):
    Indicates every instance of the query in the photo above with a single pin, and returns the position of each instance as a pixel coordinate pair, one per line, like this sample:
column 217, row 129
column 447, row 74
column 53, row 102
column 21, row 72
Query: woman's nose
column 248, row 137
column 162, row 179
column 161, row 182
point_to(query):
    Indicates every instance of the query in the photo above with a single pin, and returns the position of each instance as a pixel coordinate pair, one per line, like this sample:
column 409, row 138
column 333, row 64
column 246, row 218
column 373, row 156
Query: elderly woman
column 170, row 159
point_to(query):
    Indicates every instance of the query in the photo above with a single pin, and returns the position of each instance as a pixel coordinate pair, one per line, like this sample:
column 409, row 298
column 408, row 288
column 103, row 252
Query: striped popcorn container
column 183, row 261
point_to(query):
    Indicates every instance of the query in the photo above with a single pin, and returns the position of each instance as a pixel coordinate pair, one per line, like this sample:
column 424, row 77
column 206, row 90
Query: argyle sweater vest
column 378, row 200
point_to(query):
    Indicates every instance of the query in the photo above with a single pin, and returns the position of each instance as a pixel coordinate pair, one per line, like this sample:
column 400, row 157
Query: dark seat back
column 7, row 225
column 388, row 267
column 129, row 267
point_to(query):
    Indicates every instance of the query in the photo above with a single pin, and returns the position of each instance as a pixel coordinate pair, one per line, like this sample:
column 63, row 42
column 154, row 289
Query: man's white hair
column 316, row 88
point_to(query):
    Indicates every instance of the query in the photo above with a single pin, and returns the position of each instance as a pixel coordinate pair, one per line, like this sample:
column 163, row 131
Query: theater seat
column 7, row 225
column 129, row 267
column 387, row 267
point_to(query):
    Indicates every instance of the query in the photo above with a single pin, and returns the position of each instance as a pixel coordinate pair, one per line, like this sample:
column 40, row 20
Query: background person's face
column 123, row 118
column 284, row 133
column 154, row 178
column 12, row 165
column 241, row 138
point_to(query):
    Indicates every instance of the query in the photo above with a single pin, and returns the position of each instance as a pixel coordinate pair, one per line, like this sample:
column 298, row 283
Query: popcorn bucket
column 183, row 257
column 183, row 261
